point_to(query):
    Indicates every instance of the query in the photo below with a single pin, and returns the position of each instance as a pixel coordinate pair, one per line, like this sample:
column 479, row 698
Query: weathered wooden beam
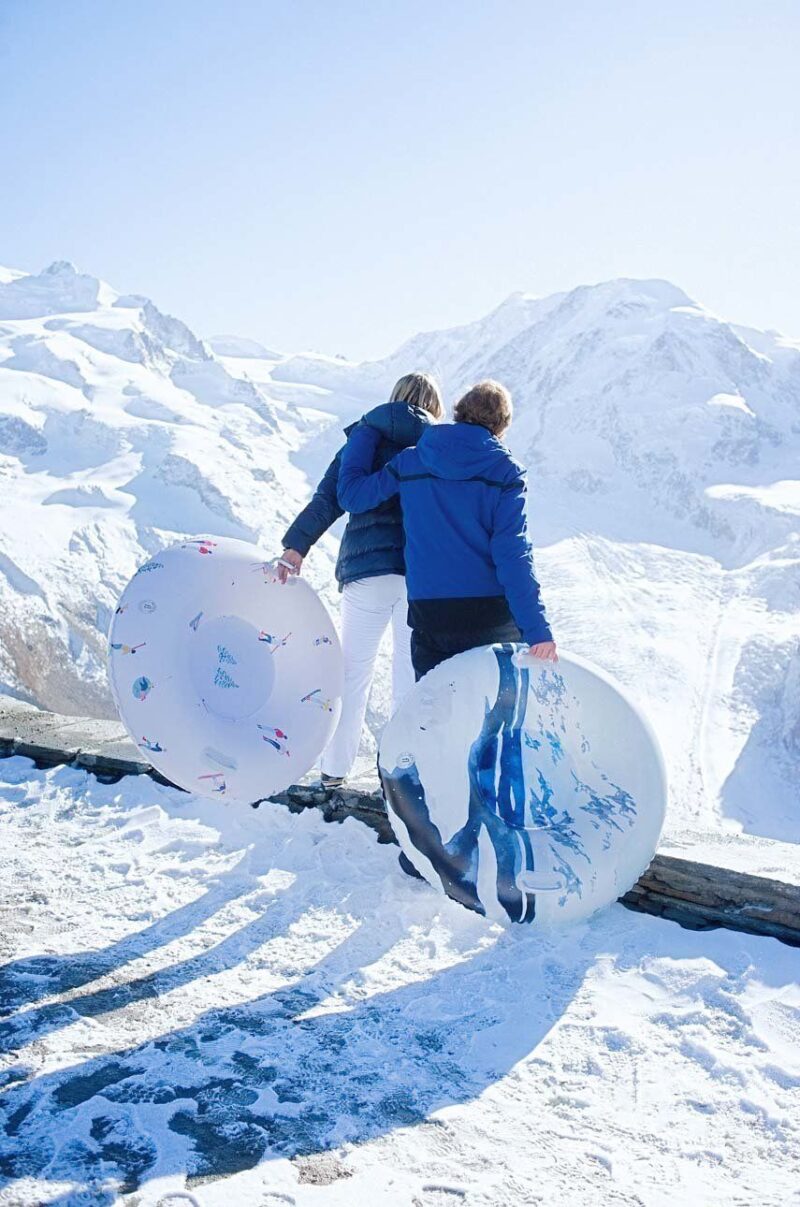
column 701, row 896
column 697, row 896
column 366, row 807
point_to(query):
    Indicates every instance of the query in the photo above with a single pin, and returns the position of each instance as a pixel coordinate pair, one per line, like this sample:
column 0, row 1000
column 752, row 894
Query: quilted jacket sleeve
column 317, row 517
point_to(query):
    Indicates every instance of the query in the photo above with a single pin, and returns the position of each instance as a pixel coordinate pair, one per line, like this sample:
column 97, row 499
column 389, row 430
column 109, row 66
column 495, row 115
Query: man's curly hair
column 487, row 404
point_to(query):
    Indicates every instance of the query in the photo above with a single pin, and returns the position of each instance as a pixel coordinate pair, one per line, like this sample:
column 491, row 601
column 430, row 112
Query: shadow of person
column 313, row 1064
column 26, row 981
column 277, row 913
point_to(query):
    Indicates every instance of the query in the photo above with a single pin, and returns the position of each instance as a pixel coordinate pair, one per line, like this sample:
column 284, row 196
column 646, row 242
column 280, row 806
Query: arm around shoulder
column 360, row 490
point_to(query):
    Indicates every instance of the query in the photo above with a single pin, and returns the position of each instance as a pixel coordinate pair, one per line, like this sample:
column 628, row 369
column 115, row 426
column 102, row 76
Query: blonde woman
column 371, row 566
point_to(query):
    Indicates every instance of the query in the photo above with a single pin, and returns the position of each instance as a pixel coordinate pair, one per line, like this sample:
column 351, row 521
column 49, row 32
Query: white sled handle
column 540, row 882
column 524, row 661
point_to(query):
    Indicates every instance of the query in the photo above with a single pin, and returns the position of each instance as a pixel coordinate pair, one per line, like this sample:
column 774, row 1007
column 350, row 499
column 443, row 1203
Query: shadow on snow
column 282, row 1075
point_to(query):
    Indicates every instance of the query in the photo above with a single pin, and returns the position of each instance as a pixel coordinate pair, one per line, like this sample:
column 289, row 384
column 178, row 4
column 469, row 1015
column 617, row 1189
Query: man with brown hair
column 489, row 405
column 469, row 563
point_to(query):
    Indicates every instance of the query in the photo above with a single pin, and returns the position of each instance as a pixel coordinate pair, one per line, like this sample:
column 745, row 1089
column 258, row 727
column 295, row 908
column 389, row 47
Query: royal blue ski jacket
column 373, row 540
column 463, row 502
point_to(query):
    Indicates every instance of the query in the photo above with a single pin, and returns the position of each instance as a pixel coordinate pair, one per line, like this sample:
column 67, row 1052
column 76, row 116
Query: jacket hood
column 466, row 450
column 398, row 422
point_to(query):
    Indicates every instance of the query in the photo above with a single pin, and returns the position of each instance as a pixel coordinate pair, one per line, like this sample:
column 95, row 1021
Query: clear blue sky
column 339, row 174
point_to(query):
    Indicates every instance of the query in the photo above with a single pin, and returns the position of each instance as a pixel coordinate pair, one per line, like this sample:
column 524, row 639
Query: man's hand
column 546, row 650
column 295, row 561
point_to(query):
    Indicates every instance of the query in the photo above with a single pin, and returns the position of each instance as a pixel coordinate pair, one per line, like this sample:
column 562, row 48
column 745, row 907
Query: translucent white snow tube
column 228, row 681
column 527, row 791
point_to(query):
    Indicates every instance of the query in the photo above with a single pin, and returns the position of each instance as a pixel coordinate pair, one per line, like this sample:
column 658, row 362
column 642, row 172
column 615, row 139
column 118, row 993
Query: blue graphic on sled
column 520, row 816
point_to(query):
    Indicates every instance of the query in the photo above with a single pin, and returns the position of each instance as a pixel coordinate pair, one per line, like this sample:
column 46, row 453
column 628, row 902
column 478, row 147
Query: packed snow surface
column 662, row 445
column 214, row 1005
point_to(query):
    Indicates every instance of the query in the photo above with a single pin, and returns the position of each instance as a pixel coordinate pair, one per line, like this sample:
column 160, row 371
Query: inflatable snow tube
column 528, row 791
column 229, row 682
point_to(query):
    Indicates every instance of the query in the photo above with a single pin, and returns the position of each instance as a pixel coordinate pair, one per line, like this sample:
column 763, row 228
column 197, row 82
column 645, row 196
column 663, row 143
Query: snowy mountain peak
column 60, row 268
column 173, row 334
column 58, row 289
column 655, row 292
column 61, row 289
column 240, row 348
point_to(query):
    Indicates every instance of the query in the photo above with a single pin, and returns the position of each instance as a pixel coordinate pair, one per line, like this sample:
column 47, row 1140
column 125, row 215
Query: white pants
column 368, row 606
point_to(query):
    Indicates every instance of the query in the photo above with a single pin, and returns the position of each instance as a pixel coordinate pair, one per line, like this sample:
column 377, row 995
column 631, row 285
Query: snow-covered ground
column 255, row 1008
column 663, row 445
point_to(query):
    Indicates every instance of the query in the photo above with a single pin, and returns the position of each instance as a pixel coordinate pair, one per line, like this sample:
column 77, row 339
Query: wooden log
column 366, row 807
column 717, row 896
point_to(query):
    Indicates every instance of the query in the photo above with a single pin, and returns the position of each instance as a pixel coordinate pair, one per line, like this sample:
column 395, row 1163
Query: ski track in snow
column 252, row 1007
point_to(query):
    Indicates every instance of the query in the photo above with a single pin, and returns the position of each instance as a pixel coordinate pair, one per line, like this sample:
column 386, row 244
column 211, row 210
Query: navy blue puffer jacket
column 373, row 540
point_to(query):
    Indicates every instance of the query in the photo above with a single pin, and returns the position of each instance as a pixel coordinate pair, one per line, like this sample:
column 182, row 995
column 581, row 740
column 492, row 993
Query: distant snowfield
column 255, row 1008
column 662, row 444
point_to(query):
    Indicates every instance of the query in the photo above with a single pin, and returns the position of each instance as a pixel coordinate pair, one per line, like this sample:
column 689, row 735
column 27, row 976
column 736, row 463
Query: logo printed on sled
column 223, row 679
column 275, row 737
column 221, row 676
column 217, row 781
column 142, row 687
column 127, row 649
column 316, row 698
column 202, row 545
column 155, row 747
column 147, row 606
column 273, row 643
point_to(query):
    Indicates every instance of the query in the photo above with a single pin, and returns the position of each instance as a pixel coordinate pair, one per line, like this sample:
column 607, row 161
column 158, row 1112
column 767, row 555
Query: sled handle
column 541, row 882
column 524, row 661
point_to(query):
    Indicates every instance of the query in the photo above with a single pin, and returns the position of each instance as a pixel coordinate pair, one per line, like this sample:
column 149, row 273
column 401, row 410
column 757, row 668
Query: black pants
column 429, row 648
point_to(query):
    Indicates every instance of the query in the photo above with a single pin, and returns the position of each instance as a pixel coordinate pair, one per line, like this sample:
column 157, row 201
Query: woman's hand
column 295, row 562
column 546, row 650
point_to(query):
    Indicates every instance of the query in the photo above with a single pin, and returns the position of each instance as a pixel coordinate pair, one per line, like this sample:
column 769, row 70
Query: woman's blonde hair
column 419, row 390
column 487, row 404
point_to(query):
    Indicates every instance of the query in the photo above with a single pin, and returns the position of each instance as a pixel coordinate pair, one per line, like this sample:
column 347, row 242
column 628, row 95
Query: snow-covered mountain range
column 663, row 446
